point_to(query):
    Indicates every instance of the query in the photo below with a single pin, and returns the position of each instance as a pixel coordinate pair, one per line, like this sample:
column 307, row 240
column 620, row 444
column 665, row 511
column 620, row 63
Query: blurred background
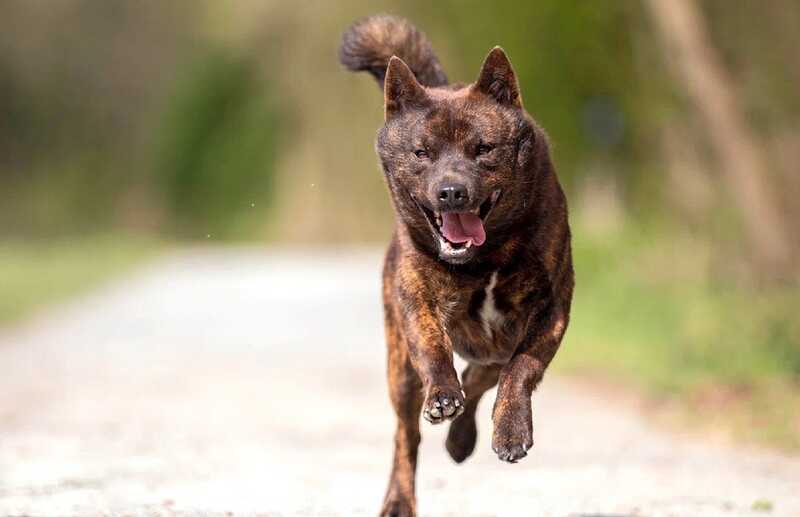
column 128, row 129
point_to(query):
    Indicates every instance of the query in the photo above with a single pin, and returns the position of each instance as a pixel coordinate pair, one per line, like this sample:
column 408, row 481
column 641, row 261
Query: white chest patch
column 490, row 316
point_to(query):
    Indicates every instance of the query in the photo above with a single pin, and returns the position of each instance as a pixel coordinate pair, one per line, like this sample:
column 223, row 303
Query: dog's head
column 460, row 162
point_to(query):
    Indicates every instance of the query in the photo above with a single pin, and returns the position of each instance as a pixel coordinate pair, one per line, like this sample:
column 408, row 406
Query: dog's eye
column 483, row 149
column 421, row 153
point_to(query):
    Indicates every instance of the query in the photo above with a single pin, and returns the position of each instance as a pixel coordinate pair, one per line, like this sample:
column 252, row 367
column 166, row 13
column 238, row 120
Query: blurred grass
column 650, row 314
column 35, row 273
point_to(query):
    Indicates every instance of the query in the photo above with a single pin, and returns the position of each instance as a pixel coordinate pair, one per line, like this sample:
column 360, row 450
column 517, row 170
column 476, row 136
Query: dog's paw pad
column 512, row 452
column 442, row 404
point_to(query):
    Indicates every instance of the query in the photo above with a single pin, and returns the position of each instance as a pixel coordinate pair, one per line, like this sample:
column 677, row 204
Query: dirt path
column 252, row 383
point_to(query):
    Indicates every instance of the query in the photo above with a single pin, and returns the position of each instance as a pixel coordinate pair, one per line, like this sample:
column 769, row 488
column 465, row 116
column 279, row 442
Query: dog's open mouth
column 458, row 231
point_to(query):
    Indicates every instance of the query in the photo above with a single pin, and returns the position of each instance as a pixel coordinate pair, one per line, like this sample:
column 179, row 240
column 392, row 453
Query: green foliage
column 215, row 158
column 651, row 313
column 676, row 328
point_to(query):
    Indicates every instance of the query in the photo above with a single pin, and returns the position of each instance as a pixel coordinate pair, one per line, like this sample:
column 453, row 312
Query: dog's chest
column 480, row 323
column 488, row 313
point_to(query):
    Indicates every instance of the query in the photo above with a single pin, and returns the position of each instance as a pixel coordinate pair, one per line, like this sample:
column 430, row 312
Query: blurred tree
column 215, row 154
column 682, row 28
column 79, row 81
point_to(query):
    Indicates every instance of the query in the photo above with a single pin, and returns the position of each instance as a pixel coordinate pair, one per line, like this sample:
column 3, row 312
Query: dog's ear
column 497, row 79
column 401, row 89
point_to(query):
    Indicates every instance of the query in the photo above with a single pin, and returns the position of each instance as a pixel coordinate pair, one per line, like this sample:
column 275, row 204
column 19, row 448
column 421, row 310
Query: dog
column 480, row 261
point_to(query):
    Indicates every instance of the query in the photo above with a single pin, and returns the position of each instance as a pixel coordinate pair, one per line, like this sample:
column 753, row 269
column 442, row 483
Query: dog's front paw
column 513, row 431
column 443, row 403
column 397, row 508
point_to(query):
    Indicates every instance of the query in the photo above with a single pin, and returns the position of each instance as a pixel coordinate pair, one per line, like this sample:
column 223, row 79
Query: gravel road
column 251, row 382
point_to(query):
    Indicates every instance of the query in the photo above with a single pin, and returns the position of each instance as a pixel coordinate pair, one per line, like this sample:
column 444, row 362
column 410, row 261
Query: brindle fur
column 432, row 301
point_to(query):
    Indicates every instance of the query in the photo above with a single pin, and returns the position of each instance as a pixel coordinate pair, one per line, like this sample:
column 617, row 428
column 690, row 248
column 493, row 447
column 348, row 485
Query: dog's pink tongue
column 463, row 227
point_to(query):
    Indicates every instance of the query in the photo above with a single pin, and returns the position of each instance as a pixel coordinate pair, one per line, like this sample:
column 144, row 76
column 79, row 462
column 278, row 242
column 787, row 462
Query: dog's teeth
column 469, row 243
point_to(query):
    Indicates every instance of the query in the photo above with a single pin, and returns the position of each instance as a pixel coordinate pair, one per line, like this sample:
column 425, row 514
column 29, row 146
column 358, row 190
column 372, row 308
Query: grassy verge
column 650, row 313
column 36, row 273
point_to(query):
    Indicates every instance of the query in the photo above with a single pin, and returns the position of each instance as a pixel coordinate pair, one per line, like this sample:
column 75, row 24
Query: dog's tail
column 370, row 42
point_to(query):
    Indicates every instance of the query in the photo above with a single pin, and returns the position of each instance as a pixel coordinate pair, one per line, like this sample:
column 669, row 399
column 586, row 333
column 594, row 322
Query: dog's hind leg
column 476, row 380
column 405, row 390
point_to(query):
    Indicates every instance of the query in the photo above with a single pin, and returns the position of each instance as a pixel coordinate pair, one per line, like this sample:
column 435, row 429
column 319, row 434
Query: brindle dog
column 480, row 260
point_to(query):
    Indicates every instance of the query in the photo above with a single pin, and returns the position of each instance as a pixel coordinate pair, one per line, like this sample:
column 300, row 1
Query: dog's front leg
column 512, row 414
column 431, row 354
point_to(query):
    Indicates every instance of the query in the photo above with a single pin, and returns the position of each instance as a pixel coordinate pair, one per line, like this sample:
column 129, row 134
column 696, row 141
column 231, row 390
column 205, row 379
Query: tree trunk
column 682, row 29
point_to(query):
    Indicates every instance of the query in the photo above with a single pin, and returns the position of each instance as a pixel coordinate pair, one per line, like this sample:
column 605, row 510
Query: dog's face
column 459, row 162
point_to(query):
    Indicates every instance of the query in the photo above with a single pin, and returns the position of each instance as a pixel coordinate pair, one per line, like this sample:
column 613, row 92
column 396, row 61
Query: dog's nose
column 453, row 195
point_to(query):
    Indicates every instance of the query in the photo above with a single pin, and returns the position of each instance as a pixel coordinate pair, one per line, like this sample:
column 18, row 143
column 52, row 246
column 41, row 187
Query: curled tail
column 370, row 42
